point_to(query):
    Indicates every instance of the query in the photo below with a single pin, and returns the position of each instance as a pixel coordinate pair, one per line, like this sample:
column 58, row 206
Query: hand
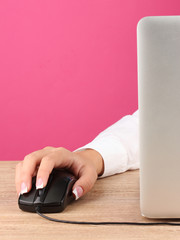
column 86, row 165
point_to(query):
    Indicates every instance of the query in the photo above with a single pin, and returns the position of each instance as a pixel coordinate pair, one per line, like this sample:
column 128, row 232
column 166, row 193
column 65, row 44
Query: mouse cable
column 106, row 223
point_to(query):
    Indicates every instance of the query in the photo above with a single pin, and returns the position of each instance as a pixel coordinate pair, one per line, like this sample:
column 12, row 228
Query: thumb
column 84, row 184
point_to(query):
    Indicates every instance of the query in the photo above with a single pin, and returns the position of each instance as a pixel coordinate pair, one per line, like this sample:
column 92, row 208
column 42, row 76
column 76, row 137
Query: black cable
column 106, row 223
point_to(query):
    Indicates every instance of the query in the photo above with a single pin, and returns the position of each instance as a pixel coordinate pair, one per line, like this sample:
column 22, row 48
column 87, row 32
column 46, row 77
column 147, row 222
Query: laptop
column 158, row 55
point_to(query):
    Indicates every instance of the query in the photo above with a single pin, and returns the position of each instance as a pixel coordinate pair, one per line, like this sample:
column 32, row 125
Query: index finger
column 28, row 167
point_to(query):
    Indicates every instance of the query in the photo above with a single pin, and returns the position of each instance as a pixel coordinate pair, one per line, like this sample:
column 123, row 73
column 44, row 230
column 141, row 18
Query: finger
column 84, row 184
column 18, row 178
column 29, row 168
column 61, row 158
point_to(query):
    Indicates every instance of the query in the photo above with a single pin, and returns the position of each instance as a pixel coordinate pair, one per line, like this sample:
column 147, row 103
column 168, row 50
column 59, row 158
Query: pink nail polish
column 39, row 183
column 23, row 188
column 78, row 191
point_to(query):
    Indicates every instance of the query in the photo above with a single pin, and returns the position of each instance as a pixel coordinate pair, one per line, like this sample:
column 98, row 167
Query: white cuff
column 113, row 153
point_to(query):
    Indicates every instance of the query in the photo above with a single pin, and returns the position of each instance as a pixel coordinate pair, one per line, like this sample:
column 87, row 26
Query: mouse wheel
column 40, row 192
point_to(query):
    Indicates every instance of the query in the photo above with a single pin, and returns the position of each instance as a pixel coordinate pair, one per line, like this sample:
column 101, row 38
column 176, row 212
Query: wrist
column 94, row 157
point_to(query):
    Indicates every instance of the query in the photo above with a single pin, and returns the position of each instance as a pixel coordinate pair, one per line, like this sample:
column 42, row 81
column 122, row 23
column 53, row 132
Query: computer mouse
column 54, row 197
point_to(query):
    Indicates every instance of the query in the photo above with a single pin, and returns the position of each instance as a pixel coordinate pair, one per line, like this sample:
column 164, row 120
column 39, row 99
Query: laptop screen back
column 158, row 49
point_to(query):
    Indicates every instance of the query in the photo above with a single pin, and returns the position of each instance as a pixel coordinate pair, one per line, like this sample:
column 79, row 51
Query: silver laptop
column 158, row 54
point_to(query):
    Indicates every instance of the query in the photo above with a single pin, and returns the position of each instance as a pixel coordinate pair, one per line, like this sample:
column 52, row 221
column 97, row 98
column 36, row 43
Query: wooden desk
column 114, row 198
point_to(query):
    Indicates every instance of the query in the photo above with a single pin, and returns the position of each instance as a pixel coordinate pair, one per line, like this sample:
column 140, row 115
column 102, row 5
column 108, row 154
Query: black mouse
column 54, row 197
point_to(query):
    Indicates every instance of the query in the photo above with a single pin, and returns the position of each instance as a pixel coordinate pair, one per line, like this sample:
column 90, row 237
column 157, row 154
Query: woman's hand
column 86, row 165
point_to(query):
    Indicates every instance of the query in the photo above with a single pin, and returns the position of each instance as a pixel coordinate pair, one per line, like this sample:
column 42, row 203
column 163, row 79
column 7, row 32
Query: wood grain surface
column 114, row 198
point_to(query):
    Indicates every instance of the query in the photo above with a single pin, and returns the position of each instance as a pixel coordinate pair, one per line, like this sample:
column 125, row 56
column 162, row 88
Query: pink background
column 68, row 69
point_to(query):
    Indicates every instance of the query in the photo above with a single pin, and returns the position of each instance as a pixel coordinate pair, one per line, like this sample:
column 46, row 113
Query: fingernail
column 23, row 188
column 39, row 183
column 78, row 191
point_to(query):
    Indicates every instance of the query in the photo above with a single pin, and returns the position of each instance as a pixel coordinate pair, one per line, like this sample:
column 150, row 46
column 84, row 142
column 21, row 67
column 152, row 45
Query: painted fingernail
column 23, row 188
column 78, row 192
column 39, row 183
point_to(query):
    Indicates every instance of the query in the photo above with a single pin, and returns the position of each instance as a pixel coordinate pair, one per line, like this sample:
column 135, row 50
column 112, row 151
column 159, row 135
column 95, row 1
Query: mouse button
column 56, row 191
column 28, row 198
column 42, row 193
column 69, row 194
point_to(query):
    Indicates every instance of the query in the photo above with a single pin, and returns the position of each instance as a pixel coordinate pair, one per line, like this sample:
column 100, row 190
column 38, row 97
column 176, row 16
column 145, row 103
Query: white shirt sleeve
column 118, row 145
